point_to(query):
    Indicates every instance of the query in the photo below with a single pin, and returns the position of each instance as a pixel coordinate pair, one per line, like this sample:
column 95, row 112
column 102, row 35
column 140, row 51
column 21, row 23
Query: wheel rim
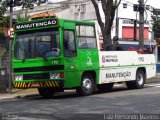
column 87, row 84
column 140, row 79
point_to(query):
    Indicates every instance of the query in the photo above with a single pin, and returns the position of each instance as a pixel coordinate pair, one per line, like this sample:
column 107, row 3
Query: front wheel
column 46, row 92
column 139, row 82
column 87, row 85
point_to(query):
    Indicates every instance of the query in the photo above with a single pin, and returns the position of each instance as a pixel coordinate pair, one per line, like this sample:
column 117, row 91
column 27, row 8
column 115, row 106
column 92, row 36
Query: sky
column 154, row 3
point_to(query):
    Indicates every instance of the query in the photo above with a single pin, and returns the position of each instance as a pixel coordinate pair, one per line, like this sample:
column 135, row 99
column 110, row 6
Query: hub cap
column 140, row 79
column 86, row 84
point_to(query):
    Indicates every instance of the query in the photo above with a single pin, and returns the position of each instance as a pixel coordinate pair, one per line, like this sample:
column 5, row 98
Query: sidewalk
column 17, row 93
column 20, row 93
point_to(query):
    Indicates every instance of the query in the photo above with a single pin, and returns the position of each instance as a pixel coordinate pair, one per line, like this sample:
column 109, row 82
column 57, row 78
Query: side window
column 69, row 43
column 86, row 37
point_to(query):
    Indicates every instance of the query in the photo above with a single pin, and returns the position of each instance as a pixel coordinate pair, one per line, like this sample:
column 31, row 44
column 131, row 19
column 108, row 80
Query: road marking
column 153, row 85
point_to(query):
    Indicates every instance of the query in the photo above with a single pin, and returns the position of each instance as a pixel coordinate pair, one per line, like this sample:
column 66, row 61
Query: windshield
column 37, row 44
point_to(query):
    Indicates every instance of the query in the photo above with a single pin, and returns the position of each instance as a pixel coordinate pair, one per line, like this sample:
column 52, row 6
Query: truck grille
column 36, row 76
column 43, row 68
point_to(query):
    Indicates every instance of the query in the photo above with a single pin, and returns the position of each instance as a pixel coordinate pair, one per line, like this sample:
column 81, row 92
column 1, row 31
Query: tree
column 109, row 7
column 5, row 4
column 156, row 27
column 3, row 8
column 4, row 21
column 30, row 3
column 21, row 18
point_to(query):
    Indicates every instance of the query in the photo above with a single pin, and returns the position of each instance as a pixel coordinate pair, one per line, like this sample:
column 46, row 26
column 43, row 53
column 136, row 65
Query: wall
column 84, row 10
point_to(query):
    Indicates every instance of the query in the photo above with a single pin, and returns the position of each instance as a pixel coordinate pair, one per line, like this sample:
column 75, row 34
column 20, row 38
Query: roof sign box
column 37, row 24
column 43, row 15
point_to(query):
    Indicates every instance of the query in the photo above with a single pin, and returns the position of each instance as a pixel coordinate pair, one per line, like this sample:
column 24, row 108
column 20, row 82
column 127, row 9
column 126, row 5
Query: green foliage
column 3, row 8
column 25, row 4
column 4, row 21
column 22, row 18
column 30, row 3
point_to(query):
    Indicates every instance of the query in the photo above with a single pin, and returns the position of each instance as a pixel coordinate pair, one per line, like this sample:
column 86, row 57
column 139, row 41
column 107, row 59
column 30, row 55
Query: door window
column 69, row 43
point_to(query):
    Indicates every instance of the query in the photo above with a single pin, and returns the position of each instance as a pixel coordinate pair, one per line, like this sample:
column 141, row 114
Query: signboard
column 36, row 24
column 11, row 32
column 131, row 22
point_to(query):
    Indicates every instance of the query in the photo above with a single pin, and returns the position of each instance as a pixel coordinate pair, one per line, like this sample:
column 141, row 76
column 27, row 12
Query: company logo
column 109, row 58
column 89, row 61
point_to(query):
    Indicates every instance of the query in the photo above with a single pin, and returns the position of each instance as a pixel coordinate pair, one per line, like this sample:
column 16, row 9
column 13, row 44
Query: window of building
column 147, row 7
column 135, row 7
column 77, row 8
column 83, row 8
column 124, row 5
column 43, row 1
column 156, row 11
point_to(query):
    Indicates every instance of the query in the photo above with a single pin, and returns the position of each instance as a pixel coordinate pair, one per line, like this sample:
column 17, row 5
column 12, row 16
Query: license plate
column 35, row 85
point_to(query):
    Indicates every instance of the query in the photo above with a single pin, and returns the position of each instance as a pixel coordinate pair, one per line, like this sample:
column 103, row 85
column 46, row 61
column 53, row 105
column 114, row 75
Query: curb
column 6, row 97
column 17, row 96
column 18, row 93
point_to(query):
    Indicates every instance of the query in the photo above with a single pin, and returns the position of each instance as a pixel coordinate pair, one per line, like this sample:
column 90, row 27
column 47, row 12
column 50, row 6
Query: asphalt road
column 69, row 106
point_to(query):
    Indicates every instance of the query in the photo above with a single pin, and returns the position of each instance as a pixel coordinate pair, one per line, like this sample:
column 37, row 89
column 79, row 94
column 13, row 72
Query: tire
column 139, row 82
column 105, row 87
column 46, row 92
column 87, row 86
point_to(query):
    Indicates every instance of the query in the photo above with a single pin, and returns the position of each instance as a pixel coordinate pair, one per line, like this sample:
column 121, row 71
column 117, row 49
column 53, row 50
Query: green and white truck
column 53, row 55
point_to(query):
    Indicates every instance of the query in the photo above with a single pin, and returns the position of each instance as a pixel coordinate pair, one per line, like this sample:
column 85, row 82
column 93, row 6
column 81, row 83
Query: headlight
column 18, row 77
column 56, row 75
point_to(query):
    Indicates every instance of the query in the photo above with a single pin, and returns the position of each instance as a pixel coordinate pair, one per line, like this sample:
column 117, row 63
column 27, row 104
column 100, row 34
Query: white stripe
column 153, row 85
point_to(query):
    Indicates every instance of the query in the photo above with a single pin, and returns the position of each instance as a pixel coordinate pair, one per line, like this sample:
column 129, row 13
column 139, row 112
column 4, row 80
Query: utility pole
column 135, row 30
column 141, row 24
column 117, row 24
column 10, row 49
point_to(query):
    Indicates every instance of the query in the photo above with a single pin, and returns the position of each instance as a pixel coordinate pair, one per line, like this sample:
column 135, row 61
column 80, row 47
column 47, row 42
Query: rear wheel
column 46, row 92
column 139, row 82
column 87, row 85
column 105, row 87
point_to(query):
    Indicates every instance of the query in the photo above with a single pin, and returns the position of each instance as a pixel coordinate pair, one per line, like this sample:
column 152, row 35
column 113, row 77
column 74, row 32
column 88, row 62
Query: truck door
column 70, row 56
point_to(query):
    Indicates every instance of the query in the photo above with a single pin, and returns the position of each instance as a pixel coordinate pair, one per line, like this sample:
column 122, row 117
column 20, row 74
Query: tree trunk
column 108, row 7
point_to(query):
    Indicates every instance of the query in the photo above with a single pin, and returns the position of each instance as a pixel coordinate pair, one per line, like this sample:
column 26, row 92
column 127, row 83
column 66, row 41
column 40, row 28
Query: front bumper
column 41, row 84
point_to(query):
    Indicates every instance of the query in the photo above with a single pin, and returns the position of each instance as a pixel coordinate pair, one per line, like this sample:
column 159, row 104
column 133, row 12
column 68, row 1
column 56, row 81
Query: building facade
column 126, row 18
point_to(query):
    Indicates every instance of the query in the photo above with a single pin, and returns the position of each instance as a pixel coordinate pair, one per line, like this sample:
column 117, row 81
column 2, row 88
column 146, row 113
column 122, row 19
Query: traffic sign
column 11, row 32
